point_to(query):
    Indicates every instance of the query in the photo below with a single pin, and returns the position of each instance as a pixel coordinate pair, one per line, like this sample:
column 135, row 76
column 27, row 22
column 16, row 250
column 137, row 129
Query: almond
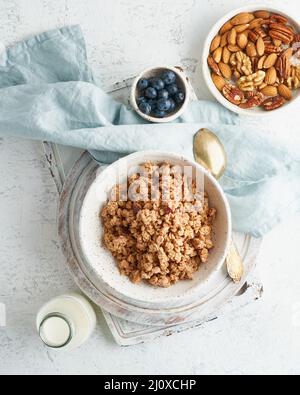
column 218, row 81
column 215, row 43
column 263, row 85
column 271, row 76
column 269, row 91
column 261, row 62
column 224, row 41
column 262, row 14
column 226, row 55
column 234, row 48
column 251, row 50
column 242, row 18
column 260, row 47
column 225, row 70
column 242, row 41
column 285, row 92
column 217, row 55
column 256, row 23
column 232, row 37
column 242, row 28
column 225, row 28
column 270, row 61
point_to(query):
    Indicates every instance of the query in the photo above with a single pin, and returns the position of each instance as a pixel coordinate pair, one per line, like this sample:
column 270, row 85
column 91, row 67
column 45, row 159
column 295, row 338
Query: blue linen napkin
column 47, row 92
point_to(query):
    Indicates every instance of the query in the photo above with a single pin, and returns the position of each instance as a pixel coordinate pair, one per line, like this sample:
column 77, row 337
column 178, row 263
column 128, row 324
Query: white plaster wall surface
column 123, row 37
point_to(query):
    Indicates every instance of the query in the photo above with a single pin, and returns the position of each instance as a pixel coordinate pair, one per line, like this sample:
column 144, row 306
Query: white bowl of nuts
column 251, row 60
column 156, row 252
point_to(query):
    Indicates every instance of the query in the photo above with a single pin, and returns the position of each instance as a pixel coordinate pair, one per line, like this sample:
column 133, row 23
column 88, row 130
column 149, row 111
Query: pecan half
column 282, row 28
column 233, row 94
column 253, row 99
column 273, row 103
column 253, row 36
column 267, row 40
column 261, row 32
column 283, row 65
column 281, row 32
column 254, row 62
column 271, row 48
column 279, row 19
column 296, row 38
column 214, row 66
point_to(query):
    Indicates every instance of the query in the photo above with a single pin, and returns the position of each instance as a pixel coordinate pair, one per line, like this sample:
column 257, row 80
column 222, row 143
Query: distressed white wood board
column 73, row 194
column 128, row 333
column 60, row 160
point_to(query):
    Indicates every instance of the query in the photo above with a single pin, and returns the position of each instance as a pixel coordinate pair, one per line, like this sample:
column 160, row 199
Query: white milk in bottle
column 66, row 322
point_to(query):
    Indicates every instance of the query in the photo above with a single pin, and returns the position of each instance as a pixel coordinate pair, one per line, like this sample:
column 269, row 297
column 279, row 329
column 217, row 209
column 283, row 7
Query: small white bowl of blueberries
column 161, row 94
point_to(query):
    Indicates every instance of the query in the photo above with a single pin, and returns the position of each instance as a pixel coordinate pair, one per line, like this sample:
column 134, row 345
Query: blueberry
column 157, row 84
column 151, row 93
column 168, row 77
column 172, row 89
column 143, row 84
column 179, row 97
column 163, row 105
column 163, row 94
column 158, row 113
column 153, row 104
column 173, row 105
column 145, row 108
column 141, row 100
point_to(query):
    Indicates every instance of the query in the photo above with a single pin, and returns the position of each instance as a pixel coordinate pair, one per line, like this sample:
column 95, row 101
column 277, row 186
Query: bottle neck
column 56, row 330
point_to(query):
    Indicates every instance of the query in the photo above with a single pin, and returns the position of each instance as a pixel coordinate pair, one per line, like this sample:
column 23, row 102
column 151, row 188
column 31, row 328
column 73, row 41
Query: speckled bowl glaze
column 103, row 267
column 258, row 112
column 182, row 82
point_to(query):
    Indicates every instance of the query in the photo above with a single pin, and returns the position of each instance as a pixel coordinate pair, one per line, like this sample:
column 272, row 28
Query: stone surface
column 262, row 338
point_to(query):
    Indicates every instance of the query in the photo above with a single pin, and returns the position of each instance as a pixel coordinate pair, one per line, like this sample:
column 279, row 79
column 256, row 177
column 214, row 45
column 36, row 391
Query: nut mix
column 255, row 60
column 158, row 240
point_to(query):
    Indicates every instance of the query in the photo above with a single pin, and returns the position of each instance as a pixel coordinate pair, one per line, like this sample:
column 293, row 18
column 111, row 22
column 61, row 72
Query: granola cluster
column 157, row 239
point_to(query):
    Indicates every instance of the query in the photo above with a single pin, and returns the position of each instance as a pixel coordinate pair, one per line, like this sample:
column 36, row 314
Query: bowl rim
column 206, row 51
column 141, row 157
column 184, row 79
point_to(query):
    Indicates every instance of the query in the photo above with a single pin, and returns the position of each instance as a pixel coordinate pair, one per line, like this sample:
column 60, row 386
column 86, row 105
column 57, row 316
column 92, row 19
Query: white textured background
column 123, row 37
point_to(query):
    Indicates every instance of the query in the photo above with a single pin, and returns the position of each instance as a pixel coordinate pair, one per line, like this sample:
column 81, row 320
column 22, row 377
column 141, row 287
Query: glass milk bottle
column 66, row 322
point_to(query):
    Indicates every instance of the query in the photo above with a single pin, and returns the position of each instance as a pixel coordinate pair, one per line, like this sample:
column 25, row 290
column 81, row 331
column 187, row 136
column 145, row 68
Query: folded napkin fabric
column 47, row 92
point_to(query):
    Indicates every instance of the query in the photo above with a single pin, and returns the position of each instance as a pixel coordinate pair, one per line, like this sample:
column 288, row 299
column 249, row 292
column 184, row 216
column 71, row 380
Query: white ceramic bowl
column 182, row 82
column 207, row 73
column 102, row 266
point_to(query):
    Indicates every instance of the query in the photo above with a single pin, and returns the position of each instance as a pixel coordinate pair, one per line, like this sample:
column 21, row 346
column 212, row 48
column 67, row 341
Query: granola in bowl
column 162, row 231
